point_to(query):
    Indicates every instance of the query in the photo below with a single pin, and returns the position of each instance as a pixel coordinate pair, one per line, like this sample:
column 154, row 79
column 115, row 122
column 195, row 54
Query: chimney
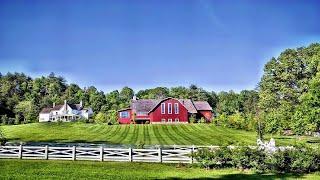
column 53, row 104
column 65, row 105
column 81, row 103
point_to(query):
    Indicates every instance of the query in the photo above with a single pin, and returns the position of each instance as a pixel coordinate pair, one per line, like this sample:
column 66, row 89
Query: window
column 124, row 114
column 169, row 108
column 176, row 120
column 163, row 120
column 170, row 120
column 163, row 108
column 176, row 108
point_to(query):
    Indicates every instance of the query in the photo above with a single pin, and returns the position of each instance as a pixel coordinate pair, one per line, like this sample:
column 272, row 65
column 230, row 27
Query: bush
column 4, row 119
column 101, row 118
column 192, row 119
column 202, row 120
column 295, row 160
column 248, row 158
column 237, row 121
column 217, row 158
column 3, row 139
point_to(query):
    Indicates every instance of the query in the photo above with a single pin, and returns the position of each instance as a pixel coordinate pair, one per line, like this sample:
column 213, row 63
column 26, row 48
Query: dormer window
column 163, row 108
column 169, row 108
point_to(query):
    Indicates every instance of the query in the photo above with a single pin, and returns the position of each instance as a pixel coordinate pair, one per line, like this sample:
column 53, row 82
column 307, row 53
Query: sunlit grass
column 44, row 169
column 182, row 134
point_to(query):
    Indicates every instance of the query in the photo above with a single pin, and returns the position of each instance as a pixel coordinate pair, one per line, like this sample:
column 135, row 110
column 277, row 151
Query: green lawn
column 41, row 169
column 184, row 134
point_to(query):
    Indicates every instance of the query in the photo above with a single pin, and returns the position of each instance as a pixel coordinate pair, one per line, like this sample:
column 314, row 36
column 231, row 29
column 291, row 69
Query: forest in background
column 286, row 98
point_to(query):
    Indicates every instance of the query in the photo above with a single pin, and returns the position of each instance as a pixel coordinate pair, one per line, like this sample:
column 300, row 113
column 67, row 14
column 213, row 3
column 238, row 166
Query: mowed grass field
column 41, row 169
column 182, row 134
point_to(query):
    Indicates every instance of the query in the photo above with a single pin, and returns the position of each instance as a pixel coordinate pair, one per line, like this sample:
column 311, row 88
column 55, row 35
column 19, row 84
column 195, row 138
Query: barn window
column 163, row 108
column 163, row 120
column 176, row 120
column 124, row 114
column 169, row 120
column 169, row 108
column 176, row 108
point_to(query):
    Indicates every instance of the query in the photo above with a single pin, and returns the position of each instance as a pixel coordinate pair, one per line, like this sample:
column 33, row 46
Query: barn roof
column 202, row 106
column 147, row 105
column 189, row 105
column 125, row 109
column 144, row 105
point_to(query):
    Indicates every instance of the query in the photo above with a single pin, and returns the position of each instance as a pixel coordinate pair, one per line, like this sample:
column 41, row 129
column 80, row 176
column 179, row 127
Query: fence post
column 160, row 154
column 130, row 154
column 20, row 151
column 101, row 153
column 46, row 149
column 74, row 153
column 192, row 151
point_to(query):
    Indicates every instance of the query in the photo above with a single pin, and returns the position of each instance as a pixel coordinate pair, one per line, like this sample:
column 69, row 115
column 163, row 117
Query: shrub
column 202, row 120
column 221, row 120
column 217, row 158
column 101, row 117
column 192, row 119
column 295, row 160
column 4, row 119
column 248, row 158
column 3, row 139
column 112, row 117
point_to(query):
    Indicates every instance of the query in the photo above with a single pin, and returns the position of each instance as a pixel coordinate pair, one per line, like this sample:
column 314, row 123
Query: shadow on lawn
column 58, row 141
column 249, row 176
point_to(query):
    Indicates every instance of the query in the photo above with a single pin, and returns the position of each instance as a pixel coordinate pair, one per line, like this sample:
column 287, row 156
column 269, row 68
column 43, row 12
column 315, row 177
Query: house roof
column 202, row 106
column 188, row 103
column 45, row 110
column 75, row 106
column 58, row 107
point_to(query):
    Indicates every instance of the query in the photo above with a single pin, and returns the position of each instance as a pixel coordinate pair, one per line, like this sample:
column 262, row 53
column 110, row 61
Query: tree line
column 286, row 99
column 22, row 98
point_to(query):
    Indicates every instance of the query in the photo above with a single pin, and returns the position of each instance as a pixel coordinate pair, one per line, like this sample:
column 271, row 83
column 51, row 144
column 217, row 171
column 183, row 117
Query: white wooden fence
column 179, row 155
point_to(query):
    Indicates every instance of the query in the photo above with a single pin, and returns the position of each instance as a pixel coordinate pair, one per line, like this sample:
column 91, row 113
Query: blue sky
column 218, row 45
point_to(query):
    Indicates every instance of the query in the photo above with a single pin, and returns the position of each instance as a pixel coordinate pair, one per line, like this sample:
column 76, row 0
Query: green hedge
column 297, row 160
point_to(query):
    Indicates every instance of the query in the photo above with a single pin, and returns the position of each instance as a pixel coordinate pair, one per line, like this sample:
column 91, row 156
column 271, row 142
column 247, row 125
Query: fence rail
column 98, row 154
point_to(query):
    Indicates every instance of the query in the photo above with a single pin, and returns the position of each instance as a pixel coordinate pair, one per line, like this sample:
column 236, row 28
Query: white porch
column 65, row 117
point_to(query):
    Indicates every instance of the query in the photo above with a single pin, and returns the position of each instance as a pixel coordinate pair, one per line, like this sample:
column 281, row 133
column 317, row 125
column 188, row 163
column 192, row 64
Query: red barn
column 169, row 110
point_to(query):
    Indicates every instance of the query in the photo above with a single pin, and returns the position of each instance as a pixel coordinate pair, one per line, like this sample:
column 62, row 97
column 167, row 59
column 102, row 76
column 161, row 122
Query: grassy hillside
column 186, row 134
column 37, row 169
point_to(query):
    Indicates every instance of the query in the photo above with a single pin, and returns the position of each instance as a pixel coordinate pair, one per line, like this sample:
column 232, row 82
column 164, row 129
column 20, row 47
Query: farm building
column 168, row 110
column 65, row 112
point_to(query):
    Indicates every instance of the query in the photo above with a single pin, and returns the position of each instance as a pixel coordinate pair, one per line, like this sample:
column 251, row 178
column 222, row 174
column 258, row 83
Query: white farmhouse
column 65, row 112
